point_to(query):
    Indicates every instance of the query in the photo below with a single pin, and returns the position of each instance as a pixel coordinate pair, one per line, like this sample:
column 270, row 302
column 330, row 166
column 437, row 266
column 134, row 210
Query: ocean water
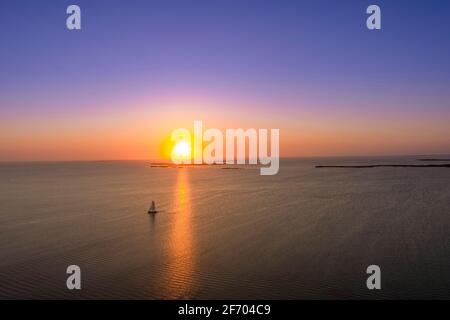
column 306, row 233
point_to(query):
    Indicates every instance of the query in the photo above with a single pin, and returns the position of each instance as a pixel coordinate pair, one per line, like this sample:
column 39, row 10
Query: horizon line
column 282, row 157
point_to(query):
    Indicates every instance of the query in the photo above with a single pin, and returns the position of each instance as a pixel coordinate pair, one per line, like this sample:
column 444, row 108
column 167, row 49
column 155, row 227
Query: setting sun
column 182, row 150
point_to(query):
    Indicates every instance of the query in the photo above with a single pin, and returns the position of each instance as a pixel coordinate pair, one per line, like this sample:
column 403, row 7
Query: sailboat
column 152, row 208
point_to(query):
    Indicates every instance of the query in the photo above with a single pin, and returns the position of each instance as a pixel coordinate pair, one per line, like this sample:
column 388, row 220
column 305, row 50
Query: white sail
column 152, row 207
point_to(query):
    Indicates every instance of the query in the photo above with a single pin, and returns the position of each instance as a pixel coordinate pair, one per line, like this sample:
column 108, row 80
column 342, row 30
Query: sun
column 182, row 151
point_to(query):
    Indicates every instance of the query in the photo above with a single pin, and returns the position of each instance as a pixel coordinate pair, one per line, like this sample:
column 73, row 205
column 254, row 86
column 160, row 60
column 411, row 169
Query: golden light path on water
column 180, row 268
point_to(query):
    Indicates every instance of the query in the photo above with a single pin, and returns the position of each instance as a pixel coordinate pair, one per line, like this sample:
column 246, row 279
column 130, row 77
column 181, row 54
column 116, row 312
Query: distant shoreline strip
column 446, row 165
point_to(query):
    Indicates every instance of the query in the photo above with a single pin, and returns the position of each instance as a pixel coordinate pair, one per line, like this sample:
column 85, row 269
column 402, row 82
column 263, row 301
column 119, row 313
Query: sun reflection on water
column 180, row 269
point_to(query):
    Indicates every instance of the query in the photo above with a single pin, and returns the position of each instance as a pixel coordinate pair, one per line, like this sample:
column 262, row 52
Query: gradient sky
column 139, row 69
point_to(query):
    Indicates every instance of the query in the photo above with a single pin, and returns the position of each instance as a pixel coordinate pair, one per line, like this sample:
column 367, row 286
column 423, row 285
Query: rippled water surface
column 304, row 233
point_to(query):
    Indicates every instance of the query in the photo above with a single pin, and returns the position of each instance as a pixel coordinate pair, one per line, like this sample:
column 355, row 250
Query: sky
column 139, row 69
